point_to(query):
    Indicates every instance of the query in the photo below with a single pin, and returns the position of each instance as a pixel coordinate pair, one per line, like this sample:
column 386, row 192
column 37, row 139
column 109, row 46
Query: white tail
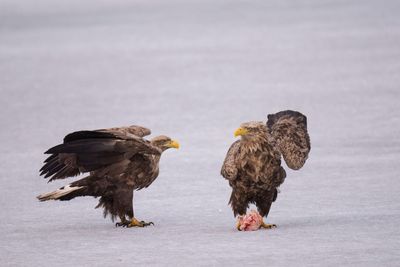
column 65, row 190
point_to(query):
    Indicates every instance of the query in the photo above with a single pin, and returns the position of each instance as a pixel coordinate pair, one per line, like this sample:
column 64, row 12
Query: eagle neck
column 256, row 143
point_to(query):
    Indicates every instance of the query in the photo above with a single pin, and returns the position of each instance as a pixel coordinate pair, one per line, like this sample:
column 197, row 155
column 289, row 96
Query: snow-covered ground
column 195, row 70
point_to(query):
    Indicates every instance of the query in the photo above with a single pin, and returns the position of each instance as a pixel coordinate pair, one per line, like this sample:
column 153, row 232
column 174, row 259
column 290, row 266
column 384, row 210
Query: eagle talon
column 238, row 226
column 268, row 226
column 122, row 224
column 144, row 224
column 133, row 223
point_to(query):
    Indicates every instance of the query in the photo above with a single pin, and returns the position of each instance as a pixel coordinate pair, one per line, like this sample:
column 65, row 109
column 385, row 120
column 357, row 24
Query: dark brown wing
column 117, row 132
column 133, row 129
column 87, row 151
column 289, row 129
column 229, row 169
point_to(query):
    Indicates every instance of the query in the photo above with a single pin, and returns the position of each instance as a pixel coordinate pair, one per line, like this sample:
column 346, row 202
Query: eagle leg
column 133, row 223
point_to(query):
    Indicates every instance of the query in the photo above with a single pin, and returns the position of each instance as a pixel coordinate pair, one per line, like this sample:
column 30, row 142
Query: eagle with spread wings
column 118, row 160
column 253, row 164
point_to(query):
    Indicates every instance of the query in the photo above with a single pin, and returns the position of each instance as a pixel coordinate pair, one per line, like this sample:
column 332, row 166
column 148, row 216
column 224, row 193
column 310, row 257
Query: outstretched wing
column 229, row 169
column 133, row 129
column 289, row 129
column 87, row 151
column 117, row 132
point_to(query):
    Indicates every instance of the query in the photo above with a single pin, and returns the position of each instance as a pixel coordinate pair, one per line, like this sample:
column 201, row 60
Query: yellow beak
column 173, row 144
column 240, row 131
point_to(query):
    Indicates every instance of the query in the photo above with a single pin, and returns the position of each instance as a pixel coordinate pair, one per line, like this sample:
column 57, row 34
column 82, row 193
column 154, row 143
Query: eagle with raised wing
column 118, row 161
column 253, row 164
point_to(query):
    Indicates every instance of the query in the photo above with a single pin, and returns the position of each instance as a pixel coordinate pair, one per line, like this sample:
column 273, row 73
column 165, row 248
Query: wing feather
column 86, row 151
column 229, row 169
column 113, row 133
column 289, row 129
column 133, row 129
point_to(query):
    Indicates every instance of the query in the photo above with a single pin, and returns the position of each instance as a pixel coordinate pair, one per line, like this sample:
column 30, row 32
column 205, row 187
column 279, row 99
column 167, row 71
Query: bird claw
column 133, row 223
column 122, row 224
column 268, row 226
column 146, row 223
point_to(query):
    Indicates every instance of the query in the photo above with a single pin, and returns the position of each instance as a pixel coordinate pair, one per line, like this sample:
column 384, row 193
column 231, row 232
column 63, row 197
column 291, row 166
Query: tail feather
column 59, row 193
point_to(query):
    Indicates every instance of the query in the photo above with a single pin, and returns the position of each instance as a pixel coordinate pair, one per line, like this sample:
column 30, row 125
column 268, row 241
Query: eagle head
column 251, row 129
column 164, row 142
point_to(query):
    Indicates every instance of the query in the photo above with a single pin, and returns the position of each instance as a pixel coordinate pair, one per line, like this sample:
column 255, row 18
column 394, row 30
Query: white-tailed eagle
column 253, row 164
column 118, row 161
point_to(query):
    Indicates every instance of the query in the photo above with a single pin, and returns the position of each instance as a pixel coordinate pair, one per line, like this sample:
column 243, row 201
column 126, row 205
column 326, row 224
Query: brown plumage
column 119, row 161
column 253, row 164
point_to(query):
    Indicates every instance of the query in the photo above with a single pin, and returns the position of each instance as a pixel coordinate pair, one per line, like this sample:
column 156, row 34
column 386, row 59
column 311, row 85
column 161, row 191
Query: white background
column 194, row 70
